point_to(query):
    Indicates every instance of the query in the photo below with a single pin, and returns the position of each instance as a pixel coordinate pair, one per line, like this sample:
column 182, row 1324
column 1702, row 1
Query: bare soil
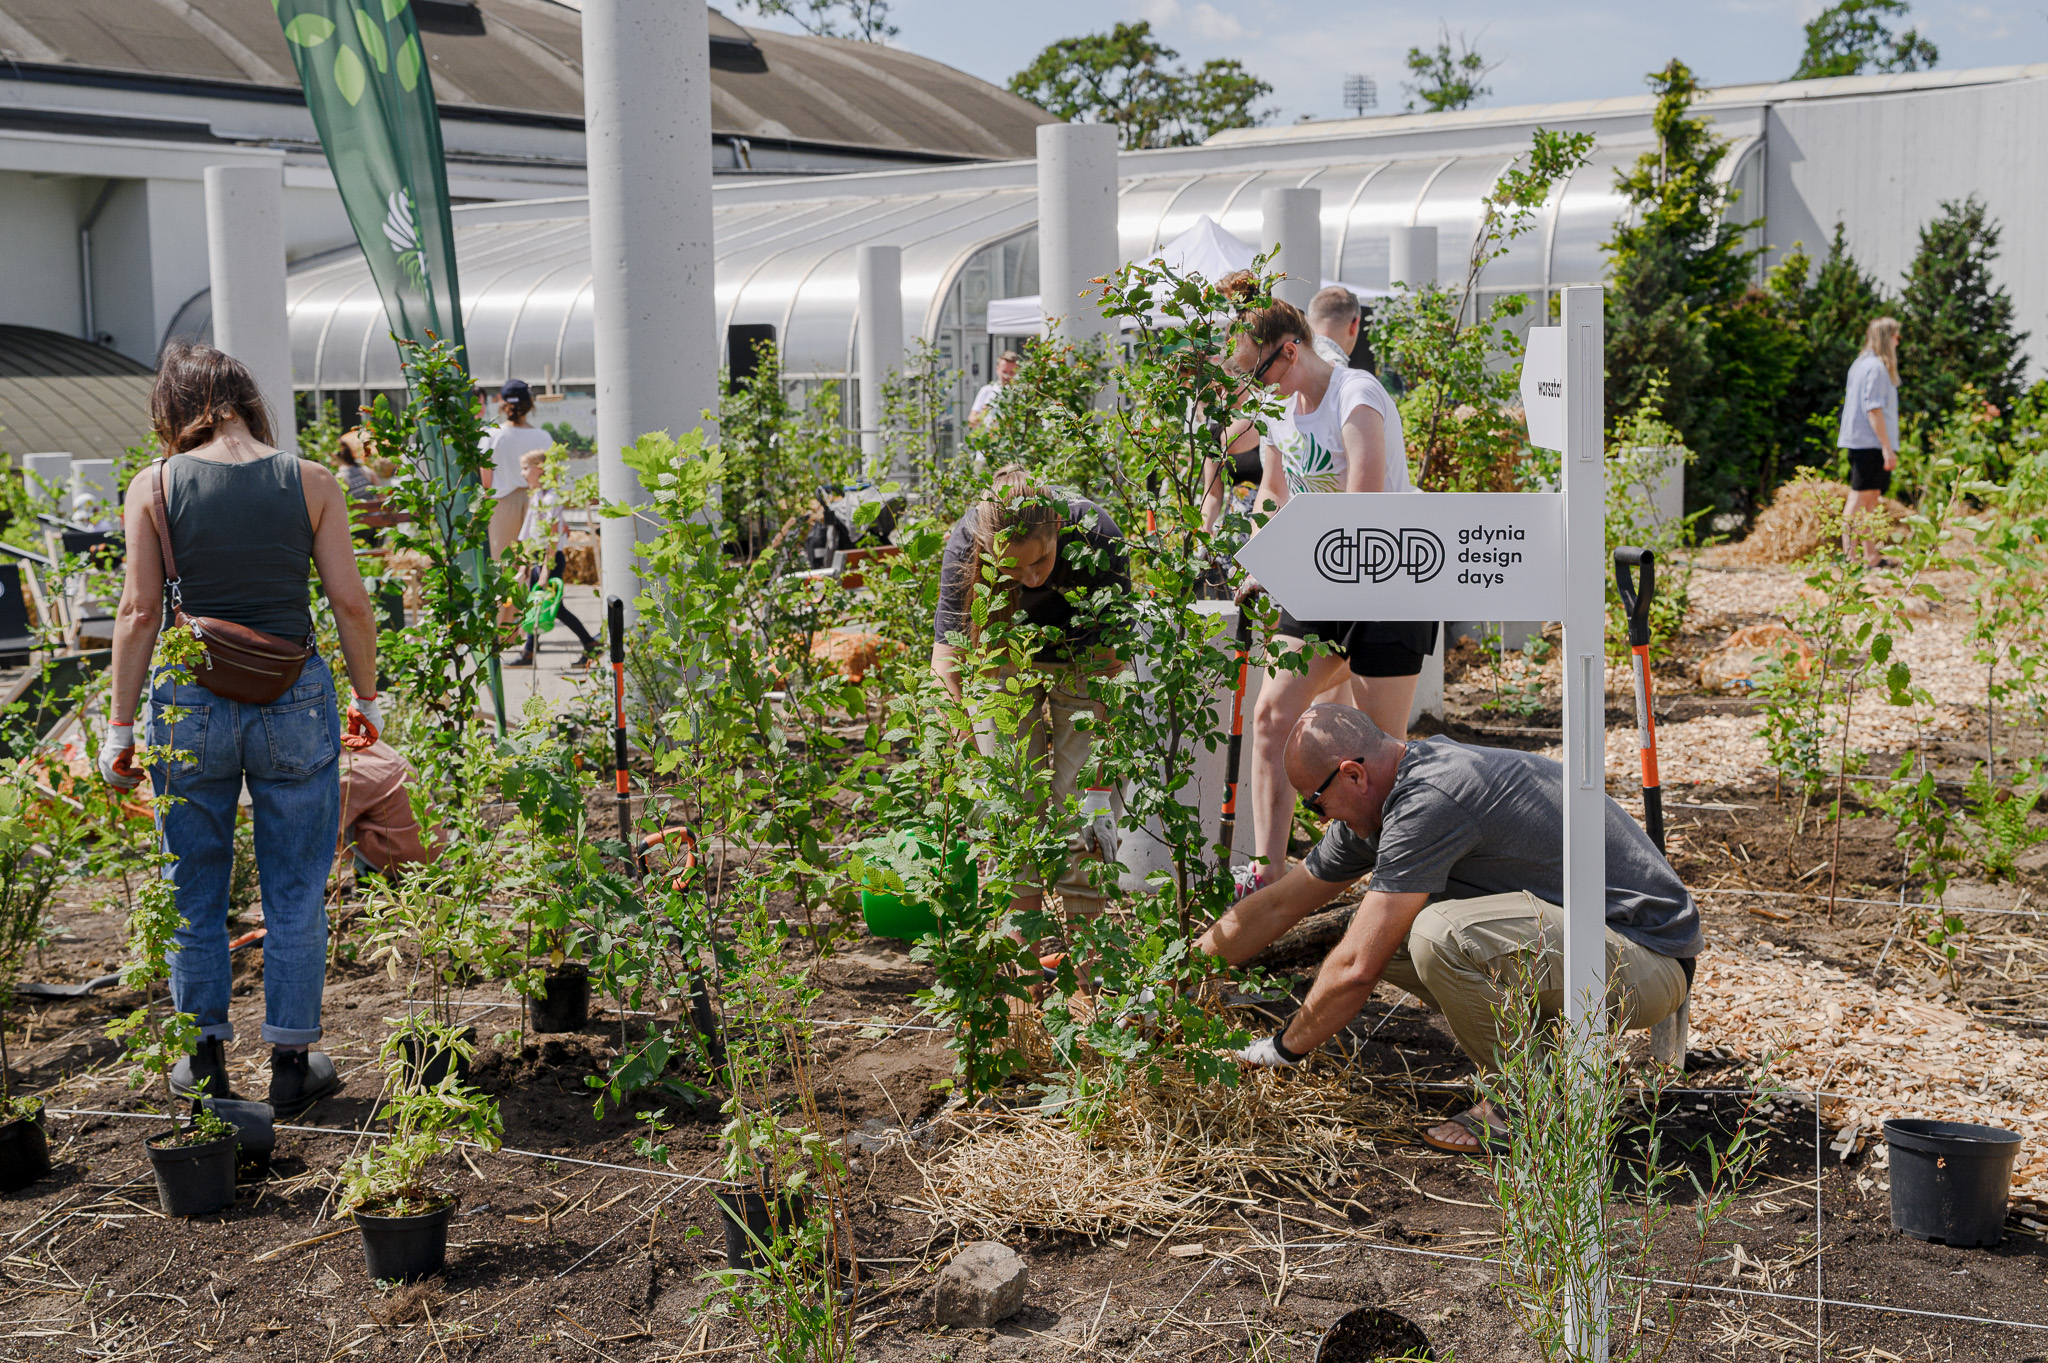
column 553, row 1255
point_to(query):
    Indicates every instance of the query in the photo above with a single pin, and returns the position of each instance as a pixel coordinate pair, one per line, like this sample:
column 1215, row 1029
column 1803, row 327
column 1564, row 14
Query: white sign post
column 1498, row 556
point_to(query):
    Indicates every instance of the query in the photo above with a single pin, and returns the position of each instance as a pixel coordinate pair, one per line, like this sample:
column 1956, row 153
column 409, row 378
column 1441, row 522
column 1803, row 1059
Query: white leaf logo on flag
column 402, row 230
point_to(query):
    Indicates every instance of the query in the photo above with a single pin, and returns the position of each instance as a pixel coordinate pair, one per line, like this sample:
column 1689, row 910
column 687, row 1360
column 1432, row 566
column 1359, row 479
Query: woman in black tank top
column 247, row 525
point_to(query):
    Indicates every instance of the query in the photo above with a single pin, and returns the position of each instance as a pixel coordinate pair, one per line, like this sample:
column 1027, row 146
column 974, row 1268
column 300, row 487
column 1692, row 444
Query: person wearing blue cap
column 513, row 437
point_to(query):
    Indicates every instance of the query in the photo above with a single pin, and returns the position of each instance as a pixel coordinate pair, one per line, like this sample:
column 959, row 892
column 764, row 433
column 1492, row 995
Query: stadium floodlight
column 1361, row 93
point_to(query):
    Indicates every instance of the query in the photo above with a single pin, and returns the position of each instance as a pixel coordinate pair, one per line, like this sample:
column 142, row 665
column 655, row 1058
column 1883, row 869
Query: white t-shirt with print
column 1311, row 445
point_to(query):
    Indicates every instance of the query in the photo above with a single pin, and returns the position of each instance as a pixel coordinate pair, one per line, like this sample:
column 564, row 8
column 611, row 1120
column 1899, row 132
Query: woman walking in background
column 246, row 525
column 543, row 529
column 514, row 436
column 1870, row 432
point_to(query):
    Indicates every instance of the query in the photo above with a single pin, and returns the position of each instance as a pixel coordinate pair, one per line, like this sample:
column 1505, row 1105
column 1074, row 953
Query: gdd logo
column 1368, row 555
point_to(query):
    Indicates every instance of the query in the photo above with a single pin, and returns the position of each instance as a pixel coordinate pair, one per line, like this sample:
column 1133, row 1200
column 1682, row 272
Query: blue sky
column 1547, row 51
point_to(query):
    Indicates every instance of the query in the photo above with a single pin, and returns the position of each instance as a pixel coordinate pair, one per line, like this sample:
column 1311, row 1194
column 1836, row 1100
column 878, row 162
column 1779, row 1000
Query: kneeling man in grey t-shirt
column 1465, row 846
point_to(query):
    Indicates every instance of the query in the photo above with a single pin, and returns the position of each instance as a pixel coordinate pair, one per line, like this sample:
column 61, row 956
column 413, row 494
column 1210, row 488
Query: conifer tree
column 1956, row 321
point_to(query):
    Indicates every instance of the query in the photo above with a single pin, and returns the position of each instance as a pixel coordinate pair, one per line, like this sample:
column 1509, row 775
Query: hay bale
column 1737, row 662
column 579, row 563
column 1804, row 516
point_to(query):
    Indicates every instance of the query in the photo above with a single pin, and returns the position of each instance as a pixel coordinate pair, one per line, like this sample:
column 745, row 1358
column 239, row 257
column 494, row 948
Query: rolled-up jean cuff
column 224, row 1031
column 290, row 1036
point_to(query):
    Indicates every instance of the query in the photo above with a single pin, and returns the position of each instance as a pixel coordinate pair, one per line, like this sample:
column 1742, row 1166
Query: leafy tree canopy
column 1446, row 80
column 1125, row 77
column 865, row 20
column 1955, row 321
column 1854, row 36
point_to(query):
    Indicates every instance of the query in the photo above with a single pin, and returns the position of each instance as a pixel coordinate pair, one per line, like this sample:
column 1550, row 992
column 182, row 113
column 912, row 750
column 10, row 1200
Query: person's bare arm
column 334, row 556
column 1272, row 480
column 946, row 667
column 141, row 612
column 1261, row 917
column 1350, row 973
column 1884, row 438
column 1365, row 451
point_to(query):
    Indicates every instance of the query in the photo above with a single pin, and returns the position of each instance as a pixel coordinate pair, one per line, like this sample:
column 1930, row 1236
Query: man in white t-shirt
column 985, row 399
column 1335, row 316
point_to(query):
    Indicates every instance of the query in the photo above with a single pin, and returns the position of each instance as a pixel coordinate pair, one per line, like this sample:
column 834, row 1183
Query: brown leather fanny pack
column 241, row 664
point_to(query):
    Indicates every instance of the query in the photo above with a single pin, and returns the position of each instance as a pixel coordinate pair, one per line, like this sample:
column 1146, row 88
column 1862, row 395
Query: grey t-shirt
column 1465, row 821
column 1870, row 386
column 1091, row 558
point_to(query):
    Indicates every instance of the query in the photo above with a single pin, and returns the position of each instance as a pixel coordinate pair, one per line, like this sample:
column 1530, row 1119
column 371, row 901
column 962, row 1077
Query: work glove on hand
column 1267, row 1053
column 117, row 757
column 1248, row 589
column 365, row 722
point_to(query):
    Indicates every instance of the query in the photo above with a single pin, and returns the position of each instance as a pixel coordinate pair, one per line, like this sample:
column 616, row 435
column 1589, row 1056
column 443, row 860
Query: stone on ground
column 984, row 1284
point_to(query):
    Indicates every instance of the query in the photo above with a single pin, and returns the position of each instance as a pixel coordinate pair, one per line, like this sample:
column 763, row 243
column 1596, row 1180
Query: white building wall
column 1884, row 165
column 39, row 217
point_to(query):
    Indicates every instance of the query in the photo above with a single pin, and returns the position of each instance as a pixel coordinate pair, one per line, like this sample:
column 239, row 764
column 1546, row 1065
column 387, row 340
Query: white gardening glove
column 1265, row 1053
column 117, row 757
column 365, row 722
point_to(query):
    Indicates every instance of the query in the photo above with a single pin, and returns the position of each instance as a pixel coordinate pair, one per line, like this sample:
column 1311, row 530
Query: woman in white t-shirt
column 1340, row 432
column 1870, row 432
column 513, row 437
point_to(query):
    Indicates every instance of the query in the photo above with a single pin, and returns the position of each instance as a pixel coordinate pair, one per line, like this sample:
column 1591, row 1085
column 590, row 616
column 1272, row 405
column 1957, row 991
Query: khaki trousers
column 1462, row 953
column 1053, row 735
column 506, row 518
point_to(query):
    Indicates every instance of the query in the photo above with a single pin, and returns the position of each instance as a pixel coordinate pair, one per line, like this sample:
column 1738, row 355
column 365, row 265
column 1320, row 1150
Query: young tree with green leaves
column 1853, row 36
column 1125, row 77
column 1956, row 321
column 1446, row 80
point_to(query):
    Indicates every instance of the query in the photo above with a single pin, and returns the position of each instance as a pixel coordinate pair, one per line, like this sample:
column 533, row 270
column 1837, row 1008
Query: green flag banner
column 372, row 99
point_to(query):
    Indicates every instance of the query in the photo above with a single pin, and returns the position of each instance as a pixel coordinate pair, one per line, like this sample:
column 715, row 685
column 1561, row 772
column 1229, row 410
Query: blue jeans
column 285, row 751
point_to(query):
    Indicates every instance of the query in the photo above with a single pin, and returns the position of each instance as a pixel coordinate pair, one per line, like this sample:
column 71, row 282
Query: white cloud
column 1203, row 20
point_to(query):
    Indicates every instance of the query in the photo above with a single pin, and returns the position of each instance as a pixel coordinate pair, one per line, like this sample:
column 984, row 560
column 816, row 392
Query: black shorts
column 1374, row 648
column 1867, row 472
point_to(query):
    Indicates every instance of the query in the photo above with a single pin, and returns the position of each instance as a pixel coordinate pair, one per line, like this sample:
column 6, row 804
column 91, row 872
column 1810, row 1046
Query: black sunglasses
column 1314, row 800
column 1259, row 376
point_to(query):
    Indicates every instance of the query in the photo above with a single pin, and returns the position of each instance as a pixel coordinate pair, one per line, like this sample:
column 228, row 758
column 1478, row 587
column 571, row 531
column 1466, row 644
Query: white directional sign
column 1400, row 556
column 1543, row 387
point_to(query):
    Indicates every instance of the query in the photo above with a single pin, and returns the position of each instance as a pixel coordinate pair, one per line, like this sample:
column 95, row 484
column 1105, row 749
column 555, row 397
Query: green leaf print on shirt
column 1312, row 468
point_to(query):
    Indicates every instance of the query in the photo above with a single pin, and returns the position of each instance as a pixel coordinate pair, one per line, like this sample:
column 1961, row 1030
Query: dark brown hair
column 1265, row 320
column 1016, row 508
column 197, row 388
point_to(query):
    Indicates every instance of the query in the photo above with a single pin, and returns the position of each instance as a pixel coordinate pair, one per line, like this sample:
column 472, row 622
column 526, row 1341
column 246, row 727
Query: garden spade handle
column 1226, row 830
column 615, row 627
column 1636, row 602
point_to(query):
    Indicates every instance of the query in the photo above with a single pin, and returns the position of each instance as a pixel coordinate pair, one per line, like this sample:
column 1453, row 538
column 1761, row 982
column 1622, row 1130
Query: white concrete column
column 1411, row 257
column 1294, row 220
column 1076, row 224
column 245, row 263
column 54, row 468
column 647, row 120
column 878, row 270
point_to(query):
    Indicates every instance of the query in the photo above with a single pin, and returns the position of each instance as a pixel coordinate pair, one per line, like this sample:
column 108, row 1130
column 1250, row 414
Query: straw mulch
column 1805, row 514
column 1166, row 1157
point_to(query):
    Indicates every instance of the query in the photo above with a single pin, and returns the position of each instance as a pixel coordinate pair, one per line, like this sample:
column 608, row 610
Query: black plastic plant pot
column 743, row 1213
column 434, row 1069
column 24, row 1154
column 563, row 1005
column 1370, row 1334
column 192, row 1180
column 402, row 1248
column 1950, row 1180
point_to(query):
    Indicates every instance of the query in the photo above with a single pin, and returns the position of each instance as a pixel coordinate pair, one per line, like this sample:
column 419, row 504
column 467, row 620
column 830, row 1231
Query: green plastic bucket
column 891, row 915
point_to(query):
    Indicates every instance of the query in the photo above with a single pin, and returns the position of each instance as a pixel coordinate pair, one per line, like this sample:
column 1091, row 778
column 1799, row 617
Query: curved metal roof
column 789, row 261
column 525, row 57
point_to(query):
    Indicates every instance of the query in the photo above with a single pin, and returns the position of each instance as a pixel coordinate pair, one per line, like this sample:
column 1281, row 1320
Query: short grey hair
column 1326, row 735
column 1334, row 306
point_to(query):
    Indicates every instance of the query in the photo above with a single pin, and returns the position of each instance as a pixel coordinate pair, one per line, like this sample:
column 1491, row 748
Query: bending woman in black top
column 1052, row 553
